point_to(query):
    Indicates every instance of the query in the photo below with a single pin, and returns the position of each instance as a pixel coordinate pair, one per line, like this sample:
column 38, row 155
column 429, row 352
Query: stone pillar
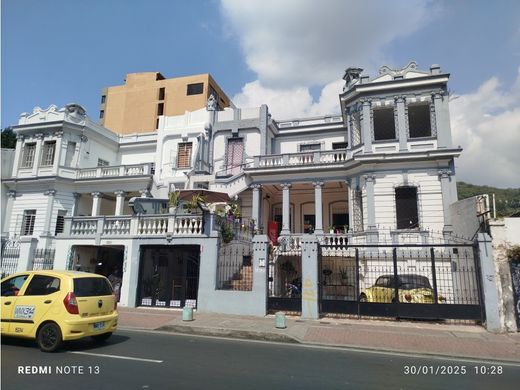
column 310, row 279
column 75, row 205
column 37, row 154
column 366, row 126
column 57, row 151
column 256, row 204
column 400, row 102
column 442, row 119
column 349, row 130
column 444, row 177
column 130, row 274
column 50, row 194
column 318, row 206
column 491, row 299
column 350, row 200
column 260, row 260
column 17, row 155
column 26, row 258
column 371, row 204
column 286, row 207
column 96, row 203
column 120, row 202
column 11, row 196
column 208, row 276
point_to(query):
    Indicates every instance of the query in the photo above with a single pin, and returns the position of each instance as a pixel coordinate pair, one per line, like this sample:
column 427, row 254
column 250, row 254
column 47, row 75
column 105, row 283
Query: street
column 151, row 360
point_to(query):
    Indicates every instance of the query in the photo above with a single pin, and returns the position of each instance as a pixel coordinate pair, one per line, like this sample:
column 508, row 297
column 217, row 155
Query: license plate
column 99, row 325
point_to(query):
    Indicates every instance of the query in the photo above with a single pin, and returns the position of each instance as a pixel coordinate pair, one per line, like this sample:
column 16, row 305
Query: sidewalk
column 397, row 336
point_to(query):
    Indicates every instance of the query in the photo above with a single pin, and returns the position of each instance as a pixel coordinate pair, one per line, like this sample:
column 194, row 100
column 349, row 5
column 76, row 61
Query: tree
column 8, row 138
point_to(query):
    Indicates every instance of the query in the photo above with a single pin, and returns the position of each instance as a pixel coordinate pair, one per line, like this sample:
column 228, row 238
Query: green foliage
column 8, row 139
column 227, row 233
column 507, row 200
column 173, row 198
column 513, row 254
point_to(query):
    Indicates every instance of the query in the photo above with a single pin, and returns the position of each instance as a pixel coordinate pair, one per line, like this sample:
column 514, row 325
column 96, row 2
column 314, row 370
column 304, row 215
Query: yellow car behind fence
column 412, row 288
column 55, row 306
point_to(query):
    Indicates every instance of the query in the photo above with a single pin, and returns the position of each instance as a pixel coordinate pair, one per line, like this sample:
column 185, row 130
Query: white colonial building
column 381, row 172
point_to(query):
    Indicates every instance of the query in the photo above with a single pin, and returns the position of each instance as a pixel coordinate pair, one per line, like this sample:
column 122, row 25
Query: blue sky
column 289, row 54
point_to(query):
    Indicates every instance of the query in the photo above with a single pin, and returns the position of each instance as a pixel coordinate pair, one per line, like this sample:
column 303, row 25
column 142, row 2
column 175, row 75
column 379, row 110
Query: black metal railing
column 235, row 267
column 43, row 259
column 10, row 256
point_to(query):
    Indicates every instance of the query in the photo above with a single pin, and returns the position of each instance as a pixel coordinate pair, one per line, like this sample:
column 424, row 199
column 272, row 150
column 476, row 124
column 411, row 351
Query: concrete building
column 319, row 209
column 136, row 106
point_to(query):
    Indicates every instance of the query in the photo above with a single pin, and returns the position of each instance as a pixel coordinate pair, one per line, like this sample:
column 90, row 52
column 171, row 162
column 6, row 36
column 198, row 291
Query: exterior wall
column 28, row 201
column 464, row 217
column 132, row 108
column 7, row 156
column 291, row 143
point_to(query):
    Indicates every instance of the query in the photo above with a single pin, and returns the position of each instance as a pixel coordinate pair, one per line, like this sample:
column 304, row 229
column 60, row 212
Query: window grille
column 102, row 163
column 309, row 147
column 28, row 155
column 356, row 128
column 419, row 120
column 60, row 222
column 184, row 155
column 49, row 149
column 384, row 124
column 29, row 216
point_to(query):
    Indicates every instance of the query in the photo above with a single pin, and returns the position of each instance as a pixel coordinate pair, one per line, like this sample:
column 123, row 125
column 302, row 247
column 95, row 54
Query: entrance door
column 169, row 276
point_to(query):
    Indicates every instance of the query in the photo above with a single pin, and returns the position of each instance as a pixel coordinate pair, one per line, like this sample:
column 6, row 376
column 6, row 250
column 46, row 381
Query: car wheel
column 100, row 338
column 363, row 298
column 49, row 337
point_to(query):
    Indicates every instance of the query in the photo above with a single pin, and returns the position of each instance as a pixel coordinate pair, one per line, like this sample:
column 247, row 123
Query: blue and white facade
column 382, row 170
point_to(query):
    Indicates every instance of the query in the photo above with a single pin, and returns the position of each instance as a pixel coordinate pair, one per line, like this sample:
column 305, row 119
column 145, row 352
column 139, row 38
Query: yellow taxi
column 56, row 306
column 412, row 288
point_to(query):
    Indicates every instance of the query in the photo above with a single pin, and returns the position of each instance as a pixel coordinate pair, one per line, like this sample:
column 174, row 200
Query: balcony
column 106, row 172
column 160, row 225
column 319, row 157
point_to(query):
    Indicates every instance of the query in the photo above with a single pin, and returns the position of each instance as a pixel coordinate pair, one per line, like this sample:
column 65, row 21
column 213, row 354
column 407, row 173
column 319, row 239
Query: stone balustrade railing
column 110, row 171
column 317, row 158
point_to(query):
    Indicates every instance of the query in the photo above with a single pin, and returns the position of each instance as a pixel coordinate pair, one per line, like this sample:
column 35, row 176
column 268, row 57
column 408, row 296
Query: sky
column 288, row 54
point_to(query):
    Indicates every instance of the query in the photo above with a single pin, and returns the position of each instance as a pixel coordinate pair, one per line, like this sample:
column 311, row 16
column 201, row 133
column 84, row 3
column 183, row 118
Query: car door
column 10, row 290
column 35, row 303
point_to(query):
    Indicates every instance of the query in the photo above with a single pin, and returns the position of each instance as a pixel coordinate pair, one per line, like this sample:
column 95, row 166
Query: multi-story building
column 136, row 106
column 381, row 173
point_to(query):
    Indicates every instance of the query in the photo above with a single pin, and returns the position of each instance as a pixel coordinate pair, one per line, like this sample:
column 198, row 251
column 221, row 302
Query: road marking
column 117, row 357
column 433, row 356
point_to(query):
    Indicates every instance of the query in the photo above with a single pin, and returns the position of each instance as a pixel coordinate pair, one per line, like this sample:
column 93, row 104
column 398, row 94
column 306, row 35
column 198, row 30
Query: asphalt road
column 147, row 360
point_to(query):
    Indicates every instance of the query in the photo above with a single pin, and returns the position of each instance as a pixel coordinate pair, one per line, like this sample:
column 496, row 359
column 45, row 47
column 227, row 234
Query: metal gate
column 284, row 277
column 403, row 281
column 43, row 259
column 10, row 255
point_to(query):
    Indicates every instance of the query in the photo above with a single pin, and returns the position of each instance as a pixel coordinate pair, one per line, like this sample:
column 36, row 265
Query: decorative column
column 120, row 202
column 318, row 206
column 349, row 129
column 75, row 205
column 50, row 194
column 256, row 204
column 444, row 177
column 17, row 154
column 57, row 151
column 442, row 119
column 400, row 102
column 11, row 196
column 286, row 222
column 37, row 154
column 366, row 126
column 350, row 200
column 96, row 203
column 371, row 211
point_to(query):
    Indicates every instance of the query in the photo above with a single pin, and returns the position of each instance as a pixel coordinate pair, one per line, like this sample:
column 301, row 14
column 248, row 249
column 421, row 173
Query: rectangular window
column 103, row 99
column 184, row 155
column 29, row 216
column 406, row 208
column 339, row 145
column 49, row 149
column 419, row 120
column 102, row 163
column 161, row 93
column 195, row 89
column 29, row 151
column 235, row 156
column 384, row 124
column 43, row 285
column 60, row 221
column 160, row 109
column 309, row 147
column 101, row 114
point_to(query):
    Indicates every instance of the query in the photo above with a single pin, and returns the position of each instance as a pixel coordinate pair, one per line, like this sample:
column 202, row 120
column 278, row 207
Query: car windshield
column 409, row 282
column 90, row 287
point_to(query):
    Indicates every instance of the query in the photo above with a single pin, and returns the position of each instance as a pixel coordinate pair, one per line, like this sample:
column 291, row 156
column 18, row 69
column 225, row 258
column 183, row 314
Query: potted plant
column 345, row 229
column 173, row 201
column 193, row 204
column 330, row 228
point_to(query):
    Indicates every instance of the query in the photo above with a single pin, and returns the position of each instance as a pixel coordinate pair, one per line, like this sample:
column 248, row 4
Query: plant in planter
column 345, row 229
column 330, row 228
column 227, row 233
column 173, row 200
column 193, row 204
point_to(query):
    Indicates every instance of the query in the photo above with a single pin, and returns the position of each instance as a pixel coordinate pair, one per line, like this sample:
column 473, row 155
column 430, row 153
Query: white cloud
column 486, row 124
column 307, row 42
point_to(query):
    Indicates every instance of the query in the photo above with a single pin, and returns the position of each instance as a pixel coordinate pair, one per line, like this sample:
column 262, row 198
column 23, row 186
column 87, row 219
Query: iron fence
column 43, row 259
column 10, row 256
column 232, row 228
column 235, row 267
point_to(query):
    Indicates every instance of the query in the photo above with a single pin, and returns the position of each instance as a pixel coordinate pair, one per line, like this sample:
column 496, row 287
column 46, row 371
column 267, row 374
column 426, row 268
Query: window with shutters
column 235, row 155
column 60, row 221
column 49, row 149
column 184, row 155
column 29, row 151
column 29, row 216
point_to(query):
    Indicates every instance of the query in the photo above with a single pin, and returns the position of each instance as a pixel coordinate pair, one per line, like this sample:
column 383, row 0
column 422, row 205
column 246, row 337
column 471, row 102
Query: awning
column 209, row 196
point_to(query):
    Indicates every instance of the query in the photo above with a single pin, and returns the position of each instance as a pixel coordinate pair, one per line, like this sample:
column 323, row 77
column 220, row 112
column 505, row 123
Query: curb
column 230, row 333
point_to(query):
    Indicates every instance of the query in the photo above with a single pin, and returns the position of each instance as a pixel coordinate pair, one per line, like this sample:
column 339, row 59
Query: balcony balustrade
column 106, row 172
column 315, row 158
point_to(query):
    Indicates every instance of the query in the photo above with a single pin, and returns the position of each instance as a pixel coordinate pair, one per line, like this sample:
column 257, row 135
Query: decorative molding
column 76, row 195
column 19, row 137
column 255, row 187
column 444, row 173
column 11, row 194
column 39, row 136
column 286, row 186
column 386, row 70
column 50, row 193
column 317, row 184
column 369, row 178
column 83, row 138
column 120, row 193
column 96, row 194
